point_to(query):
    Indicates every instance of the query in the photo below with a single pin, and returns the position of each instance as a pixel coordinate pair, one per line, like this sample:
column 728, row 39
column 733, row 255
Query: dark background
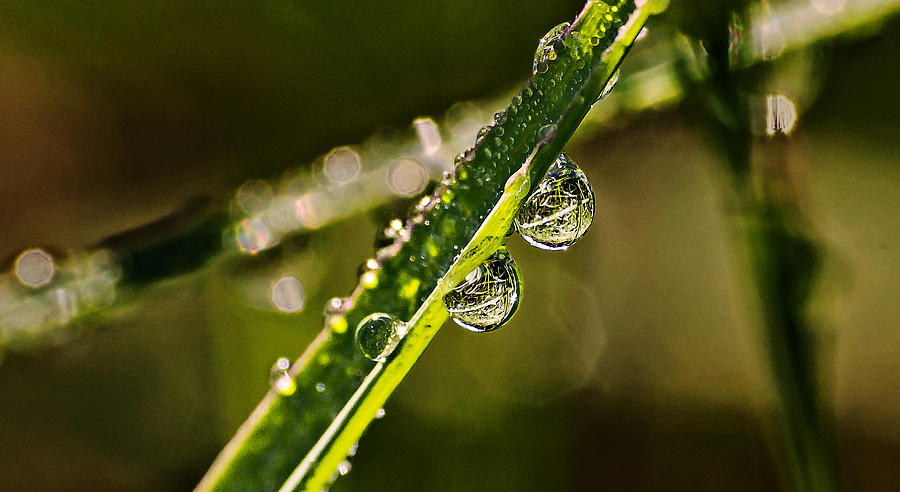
column 636, row 360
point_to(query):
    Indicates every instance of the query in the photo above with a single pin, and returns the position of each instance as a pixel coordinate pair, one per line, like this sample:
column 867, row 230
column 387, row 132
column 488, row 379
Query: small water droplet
column 378, row 334
column 572, row 39
column 560, row 210
column 500, row 117
column 546, row 133
column 595, row 40
column 320, row 387
column 380, row 413
column 483, row 132
column 280, row 377
column 610, row 85
column 353, row 449
column 335, row 305
column 344, row 467
column 489, row 295
column 550, row 44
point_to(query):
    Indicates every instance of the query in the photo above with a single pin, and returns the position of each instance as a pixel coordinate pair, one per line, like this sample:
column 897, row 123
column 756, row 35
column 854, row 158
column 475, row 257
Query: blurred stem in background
column 781, row 249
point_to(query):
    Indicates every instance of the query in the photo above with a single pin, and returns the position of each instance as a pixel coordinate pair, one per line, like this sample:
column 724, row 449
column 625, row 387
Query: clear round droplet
column 488, row 297
column 610, row 85
column 560, row 210
column 377, row 335
column 549, row 47
column 280, row 377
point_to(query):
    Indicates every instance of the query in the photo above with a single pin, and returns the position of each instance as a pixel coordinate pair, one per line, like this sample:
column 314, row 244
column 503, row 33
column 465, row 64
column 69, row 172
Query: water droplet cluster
column 412, row 253
column 560, row 209
column 489, row 296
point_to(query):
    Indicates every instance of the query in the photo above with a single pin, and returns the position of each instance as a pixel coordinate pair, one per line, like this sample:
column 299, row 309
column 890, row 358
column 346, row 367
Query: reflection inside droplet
column 560, row 210
column 489, row 295
column 377, row 335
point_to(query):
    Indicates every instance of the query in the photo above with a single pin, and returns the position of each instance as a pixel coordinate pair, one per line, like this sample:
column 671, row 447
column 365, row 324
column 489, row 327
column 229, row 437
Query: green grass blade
column 297, row 440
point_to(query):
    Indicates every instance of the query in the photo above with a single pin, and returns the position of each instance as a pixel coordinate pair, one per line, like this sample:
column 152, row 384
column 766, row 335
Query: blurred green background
column 636, row 361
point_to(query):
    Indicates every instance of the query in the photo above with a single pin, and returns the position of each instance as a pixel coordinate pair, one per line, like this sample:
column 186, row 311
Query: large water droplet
column 560, row 210
column 377, row 335
column 549, row 47
column 488, row 297
column 280, row 377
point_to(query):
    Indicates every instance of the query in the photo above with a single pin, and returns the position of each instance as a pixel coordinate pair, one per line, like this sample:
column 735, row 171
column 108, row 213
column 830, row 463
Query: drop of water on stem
column 280, row 377
column 489, row 296
column 560, row 210
column 377, row 335
column 550, row 46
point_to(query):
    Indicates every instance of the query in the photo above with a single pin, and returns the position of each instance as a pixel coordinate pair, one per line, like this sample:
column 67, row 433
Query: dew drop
column 344, row 467
column 560, row 210
column 610, row 85
column 483, row 132
column 280, row 377
column 546, row 133
column 320, row 387
column 550, row 44
column 488, row 297
column 377, row 335
column 380, row 414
